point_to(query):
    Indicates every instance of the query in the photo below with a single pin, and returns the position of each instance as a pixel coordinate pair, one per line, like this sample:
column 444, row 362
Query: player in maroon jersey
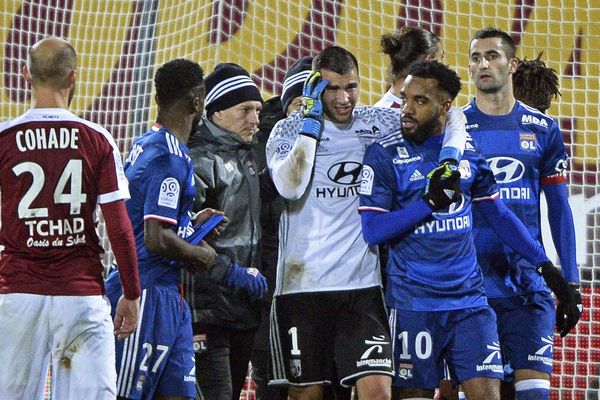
column 55, row 168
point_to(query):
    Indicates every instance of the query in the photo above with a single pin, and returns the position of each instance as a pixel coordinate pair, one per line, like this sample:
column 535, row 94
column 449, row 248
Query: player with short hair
column 158, row 360
column 328, row 306
column 55, row 168
column 435, row 287
column 526, row 152
column 405, row 46
column 535, row 84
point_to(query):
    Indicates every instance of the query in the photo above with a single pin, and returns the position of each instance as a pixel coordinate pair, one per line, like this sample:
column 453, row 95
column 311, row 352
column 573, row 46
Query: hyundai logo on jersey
column 506, row 169
column 345, row 172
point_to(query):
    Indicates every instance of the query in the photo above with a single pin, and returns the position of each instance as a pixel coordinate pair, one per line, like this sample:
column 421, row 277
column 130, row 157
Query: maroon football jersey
column 54, row 170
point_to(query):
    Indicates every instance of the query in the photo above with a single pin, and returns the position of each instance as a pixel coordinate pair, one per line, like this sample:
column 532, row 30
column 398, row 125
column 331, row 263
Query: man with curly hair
column 535, row 84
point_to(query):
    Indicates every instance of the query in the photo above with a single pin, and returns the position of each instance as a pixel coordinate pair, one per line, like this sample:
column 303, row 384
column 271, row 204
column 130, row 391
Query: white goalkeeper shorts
column 73, row 334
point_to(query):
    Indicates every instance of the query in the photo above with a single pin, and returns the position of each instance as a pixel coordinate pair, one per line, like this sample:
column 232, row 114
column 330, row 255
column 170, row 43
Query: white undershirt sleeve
column 456, row 133
column 291, row 171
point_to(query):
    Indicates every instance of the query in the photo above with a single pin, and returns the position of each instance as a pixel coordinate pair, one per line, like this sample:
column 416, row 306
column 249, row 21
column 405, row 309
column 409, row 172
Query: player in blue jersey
column 405, row 46
column 435, row 287
column 157, row 361
column 328, row 307
column 160, row 177
column 525, row 150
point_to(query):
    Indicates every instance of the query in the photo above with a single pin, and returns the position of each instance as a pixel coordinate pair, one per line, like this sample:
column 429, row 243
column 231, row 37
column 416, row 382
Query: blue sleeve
column 484, row 183
column 164, row 187
column 377, row 190
column 562, row 228
column 511, row 231
column 378, row 180
column 381, row 227
column 554, row 158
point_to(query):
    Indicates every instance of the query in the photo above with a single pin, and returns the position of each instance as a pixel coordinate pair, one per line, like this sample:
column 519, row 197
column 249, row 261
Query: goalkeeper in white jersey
column 328, row 305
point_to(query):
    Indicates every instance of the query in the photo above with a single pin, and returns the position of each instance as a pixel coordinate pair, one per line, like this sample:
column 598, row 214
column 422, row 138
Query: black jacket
column 272, row 204
column 226, row 179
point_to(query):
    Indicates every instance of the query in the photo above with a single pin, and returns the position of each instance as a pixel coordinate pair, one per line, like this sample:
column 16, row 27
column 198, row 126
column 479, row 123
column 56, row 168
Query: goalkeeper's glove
column 569, row 307
column 312, row 107
column 249, row 279
column 443, row 186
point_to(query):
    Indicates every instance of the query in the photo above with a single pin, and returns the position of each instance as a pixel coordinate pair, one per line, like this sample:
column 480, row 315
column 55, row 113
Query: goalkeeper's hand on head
column 569, row 307
column 249, row 279
column 312, row 106
column 443, row 186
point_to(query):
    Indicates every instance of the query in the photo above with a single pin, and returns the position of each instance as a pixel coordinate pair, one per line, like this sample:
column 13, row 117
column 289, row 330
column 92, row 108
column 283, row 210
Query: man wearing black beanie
column 275, row 109
column 293, row 82
column 225, row 319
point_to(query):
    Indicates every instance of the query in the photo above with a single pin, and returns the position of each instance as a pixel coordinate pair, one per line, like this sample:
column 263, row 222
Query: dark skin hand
column 205, row 214
column 162, row 240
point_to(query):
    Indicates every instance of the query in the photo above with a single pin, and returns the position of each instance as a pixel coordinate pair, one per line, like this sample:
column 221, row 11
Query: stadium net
column 120, row 43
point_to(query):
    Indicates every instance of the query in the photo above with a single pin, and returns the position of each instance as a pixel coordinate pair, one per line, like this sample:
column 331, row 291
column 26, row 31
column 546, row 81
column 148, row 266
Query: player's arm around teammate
column 339, row 278
column 383, row 223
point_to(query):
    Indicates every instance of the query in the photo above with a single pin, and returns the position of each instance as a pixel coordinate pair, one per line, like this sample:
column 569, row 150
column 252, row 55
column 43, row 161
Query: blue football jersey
column 434, row 267
column 161, row 183
column 524, row 149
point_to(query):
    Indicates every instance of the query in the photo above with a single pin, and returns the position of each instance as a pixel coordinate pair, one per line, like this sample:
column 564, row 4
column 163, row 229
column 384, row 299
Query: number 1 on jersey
column 293, row 331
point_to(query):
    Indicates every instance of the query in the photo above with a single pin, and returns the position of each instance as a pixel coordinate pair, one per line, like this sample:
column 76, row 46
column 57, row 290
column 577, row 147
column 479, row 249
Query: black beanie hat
column 294, row 80
column 228, row 85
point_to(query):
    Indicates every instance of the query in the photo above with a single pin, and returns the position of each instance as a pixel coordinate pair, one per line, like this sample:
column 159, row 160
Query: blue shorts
column 466, row 339
column 531, row 348
column 158, row 358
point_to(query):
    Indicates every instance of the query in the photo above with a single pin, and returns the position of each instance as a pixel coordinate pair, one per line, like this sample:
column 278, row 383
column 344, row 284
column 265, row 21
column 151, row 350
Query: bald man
column 55, row 168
